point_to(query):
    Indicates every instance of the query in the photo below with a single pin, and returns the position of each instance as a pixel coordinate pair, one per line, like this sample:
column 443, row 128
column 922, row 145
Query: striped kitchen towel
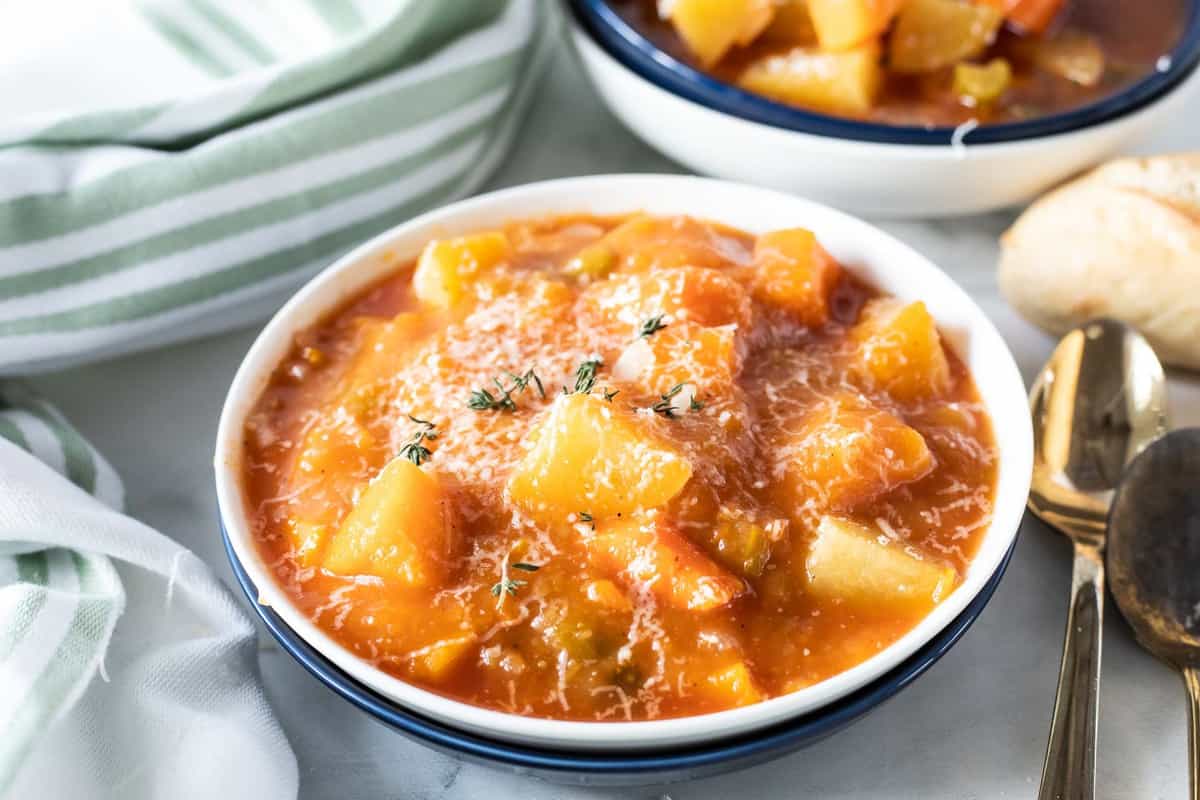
column 126, row 669
column 170, row 168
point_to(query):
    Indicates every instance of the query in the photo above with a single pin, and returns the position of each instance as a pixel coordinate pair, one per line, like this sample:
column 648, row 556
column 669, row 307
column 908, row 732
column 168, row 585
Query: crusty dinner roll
column 1122, row 241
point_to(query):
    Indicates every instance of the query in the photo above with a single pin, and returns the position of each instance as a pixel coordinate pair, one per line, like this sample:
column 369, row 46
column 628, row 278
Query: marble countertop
column 973, row 727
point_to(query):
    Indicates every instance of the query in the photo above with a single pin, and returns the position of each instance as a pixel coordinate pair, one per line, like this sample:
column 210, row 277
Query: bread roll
column 1122, row 241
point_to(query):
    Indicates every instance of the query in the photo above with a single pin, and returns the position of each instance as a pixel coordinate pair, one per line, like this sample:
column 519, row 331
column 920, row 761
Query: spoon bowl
column 1154, row 548
column 1154, row 559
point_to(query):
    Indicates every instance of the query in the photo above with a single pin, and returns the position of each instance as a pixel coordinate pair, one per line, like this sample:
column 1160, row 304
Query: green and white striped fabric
column 126, row 669
column 58, row 606
column 170, row 168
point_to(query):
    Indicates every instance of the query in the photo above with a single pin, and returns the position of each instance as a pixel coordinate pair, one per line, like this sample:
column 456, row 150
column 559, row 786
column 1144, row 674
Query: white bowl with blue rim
column 652, row 750
column 867, row 168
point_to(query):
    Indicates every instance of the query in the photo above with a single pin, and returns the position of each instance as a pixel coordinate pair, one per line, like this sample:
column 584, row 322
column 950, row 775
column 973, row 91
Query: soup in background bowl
column 918, row 62
column 530, row 475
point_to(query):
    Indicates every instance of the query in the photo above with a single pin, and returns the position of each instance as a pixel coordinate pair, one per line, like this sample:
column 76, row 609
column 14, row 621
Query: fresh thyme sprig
column 507, row 586
column 484, row 400
column 664, row 405
column 651, row 326
column 695, row 405
column 585, row 376
column 588, row 518
column 611, row 393
column 414, row 449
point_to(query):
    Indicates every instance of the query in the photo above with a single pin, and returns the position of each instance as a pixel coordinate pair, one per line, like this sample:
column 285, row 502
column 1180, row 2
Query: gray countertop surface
column 973, row 727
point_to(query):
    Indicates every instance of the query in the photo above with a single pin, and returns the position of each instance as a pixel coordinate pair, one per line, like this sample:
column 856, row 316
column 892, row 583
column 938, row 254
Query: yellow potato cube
column 595, row 457
column 900, row 350
column 649, row 552
column 842, row 24
column 710, row 28
column 934, row 34
column 399, row 529
column 794, row 272
column 859, row 565
column 843, row 82
column 448, row 267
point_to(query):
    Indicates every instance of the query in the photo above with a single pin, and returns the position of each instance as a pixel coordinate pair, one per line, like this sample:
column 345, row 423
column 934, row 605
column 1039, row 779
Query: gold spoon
column 1100, row 399
column 1154, row 559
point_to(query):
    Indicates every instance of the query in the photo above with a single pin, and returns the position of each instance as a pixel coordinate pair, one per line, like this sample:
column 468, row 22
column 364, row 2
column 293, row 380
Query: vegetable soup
column 918, row 62
column 619, row 468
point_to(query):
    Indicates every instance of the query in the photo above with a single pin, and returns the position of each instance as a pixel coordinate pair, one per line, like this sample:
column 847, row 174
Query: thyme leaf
column 651, row 326
column 414, row 449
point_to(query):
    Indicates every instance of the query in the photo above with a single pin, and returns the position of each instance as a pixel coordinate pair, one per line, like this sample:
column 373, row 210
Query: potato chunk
column 399, row 529
column 677, row 294
column 593, row 456
column 649, row 552
column 859, row 565
column 900, row 350
column 842, row 24
column 795, row 273
column 792, row 25
column 447, row 267
column 710, row 28
column 848, row 452
column 934, row 34
column 843, row 82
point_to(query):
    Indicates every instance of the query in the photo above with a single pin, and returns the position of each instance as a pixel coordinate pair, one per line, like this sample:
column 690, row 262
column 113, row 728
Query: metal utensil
column 1100, row 399
column 1154, row 560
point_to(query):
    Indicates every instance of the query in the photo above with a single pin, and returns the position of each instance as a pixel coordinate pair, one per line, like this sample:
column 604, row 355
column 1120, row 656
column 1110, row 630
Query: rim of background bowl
column 603, row 194
column 750, row 748
column 637, row 53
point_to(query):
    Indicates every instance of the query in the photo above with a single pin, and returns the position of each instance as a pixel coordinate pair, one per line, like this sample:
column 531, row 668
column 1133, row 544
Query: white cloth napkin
column 127, row 670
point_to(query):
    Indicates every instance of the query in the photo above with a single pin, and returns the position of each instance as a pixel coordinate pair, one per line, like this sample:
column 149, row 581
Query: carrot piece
column 649, row 552
column 1031, row 16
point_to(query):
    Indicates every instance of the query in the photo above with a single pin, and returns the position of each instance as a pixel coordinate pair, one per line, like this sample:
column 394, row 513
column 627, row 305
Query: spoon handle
column 1070, row 769
column 1191, row 679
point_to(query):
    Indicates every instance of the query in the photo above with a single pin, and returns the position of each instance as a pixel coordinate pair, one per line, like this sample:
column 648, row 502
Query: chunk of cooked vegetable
column 399, row 530
column 860, row 565
column 843, row 82
column 1071, row 55
column 741, row 542
column 702, row 295
column 649, row 552
column 706, row 359
column 900, row 350
column 934, row 34
column 794, row 272
column 593, row 456
column 644, row 243
column 594, row 261
column 710, row 28
column 847, row 452
column 447, row 268
column 732, row 687
column 1029, row 16
column 844, row 24
column 981, row 84
column 435, row 661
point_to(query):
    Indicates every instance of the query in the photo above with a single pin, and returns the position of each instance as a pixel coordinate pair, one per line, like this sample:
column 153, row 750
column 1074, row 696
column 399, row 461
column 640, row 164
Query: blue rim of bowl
column 637, row 53
column 746, row 749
